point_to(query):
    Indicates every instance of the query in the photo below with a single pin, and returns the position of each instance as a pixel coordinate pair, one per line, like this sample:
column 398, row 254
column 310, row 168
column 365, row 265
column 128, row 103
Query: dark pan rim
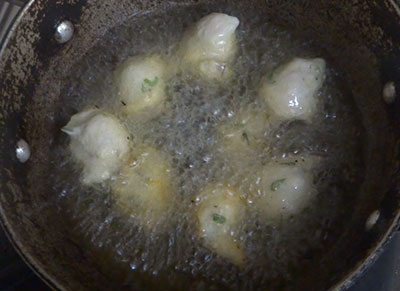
column 372, row 257
column 376, row 251
column 30, row 261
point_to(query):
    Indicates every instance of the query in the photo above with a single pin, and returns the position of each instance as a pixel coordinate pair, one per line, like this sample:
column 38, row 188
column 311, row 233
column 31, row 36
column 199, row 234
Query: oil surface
column 187, row 134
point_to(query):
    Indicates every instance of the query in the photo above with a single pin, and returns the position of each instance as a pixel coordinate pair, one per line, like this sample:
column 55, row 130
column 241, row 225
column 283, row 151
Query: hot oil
column 186, row 132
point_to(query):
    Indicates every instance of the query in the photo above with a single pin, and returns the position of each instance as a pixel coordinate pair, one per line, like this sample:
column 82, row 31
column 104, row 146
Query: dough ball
column 99, row 142
column 220, row 213
column 140, row 83
column 283, row 190
column 243, row 137
column 209, row 46
column 290, row 91
column 143, row 188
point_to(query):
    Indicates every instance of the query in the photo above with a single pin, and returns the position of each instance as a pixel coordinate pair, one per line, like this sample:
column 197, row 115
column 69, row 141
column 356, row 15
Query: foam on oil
column 186, row 133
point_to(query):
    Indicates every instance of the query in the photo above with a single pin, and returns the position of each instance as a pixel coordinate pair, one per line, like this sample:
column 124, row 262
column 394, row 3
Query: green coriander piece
column 218, row 218
column 148, row 85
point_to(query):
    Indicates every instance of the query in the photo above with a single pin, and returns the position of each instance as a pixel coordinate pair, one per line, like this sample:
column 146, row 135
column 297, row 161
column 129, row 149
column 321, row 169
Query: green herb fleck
column 275, row 185
column 218, row 218
column 148, row 85
column 245, row 137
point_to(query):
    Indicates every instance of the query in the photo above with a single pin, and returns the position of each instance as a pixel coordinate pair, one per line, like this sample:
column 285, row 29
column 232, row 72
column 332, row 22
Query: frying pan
column 363, row 40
